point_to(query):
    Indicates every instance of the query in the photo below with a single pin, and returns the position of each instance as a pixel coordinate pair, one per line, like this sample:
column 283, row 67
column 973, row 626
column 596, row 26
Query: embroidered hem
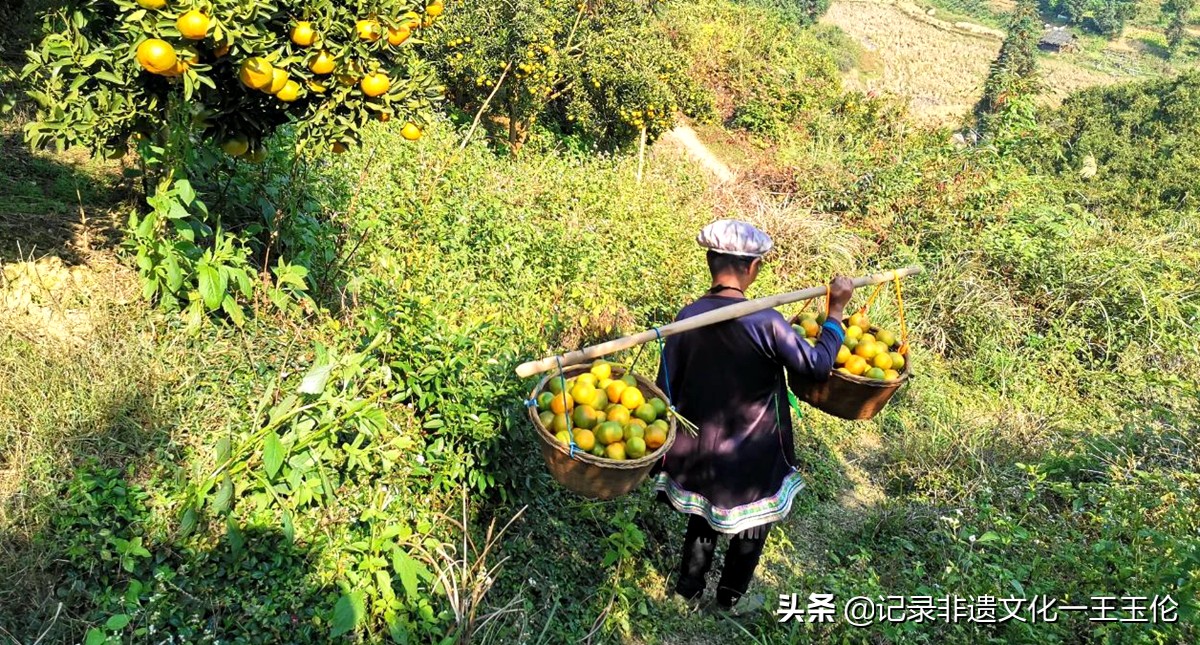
column 738, row 518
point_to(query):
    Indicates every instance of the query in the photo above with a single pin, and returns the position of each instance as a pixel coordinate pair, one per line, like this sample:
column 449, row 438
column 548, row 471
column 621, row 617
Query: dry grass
column 941, row 67
column 941, row 71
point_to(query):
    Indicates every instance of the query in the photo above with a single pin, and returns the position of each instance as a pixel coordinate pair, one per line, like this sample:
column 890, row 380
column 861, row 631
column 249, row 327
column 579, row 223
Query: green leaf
column 990, row 536
column 116, row 623
column 95, row 637
column 233, row 310
column 347, row 613
column 224, row 495
column 188, row 521
column 410, row 571
column 210, row 286
column 273, row 454
column 223, row 450
column 314, row 380
column 184, row 189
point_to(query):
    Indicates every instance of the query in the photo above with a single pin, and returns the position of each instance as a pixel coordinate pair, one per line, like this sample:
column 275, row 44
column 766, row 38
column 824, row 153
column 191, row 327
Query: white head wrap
column 734, row 237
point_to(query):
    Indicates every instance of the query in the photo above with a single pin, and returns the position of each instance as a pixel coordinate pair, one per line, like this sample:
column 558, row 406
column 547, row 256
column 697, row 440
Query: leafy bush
column 594, row 68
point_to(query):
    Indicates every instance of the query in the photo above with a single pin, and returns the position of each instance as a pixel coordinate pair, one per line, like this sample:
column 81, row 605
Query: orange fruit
column 367, row 30
column 156, row 56
column 629, row 380
column 619, row 414
column 152, row 4
column 412, row 20
column 375, row 84
column 615, row 389
column 634, row 430
column 384, row 117
column 810, row 327
column 865, row 337
column 559, row 423
column 303, row 33
column 586, row 377
column 235, row 146
column 890, row 375
column 584, row 394
column 843, row 355
column 875, row 373
column 615, row 451
column 645, row 412
column 322, row 63
column 279, row 79
column 636, row 448
column 316, row 87
column 859, row 319
column 411, row 132
column 609, row 432
column 546, row 417
column 897, row 360
column 584, row 417
column 563, row 437
column 397, row 35
column 854, row 331
column 435, row 8
column 222, row 51
column 585, row 439
column 601, row 370
column 543, row 400
column 561, row 403
column 866, row 349
column 660, row 406
column 256, row 73
column 856, row 365
column 655, row 437
column 193, row 25
column 886, row 337
column 631, row 398
column 883, row 361
column 289, row 93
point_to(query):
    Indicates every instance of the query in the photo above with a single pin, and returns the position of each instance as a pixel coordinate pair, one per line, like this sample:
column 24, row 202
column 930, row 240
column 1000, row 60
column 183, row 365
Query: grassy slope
column 1030, row 348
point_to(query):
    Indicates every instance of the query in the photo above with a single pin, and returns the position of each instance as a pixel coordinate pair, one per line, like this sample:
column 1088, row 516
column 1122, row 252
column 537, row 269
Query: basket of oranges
column 871, row 365
column 600, row 428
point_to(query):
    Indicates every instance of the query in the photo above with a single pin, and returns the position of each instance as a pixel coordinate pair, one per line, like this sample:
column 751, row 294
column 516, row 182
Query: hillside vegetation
column 353, row 461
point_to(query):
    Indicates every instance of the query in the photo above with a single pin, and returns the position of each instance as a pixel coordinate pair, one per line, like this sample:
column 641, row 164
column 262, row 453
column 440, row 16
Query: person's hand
column 840, row 290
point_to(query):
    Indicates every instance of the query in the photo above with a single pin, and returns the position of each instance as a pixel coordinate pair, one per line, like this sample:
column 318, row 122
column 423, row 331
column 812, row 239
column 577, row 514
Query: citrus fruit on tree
column 289, row 93
column 435, row 8
column 279, row 79
column 397, row 35
column 156, row 56
column 323, row 63
column 152, row 4
column 193, row 25
column 303, row 33
column 257, row 73
column 235, row 146
column 410, row 131
column 375, row 84
column 367, row 30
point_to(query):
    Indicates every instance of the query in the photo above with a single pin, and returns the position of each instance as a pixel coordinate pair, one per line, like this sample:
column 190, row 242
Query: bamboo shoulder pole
column 703, row 320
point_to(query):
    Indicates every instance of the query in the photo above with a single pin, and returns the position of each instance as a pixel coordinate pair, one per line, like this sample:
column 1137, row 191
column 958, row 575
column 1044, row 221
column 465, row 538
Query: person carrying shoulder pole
column 737, row 475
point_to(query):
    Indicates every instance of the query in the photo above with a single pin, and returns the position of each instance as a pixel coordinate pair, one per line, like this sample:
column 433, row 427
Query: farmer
column 738, row 476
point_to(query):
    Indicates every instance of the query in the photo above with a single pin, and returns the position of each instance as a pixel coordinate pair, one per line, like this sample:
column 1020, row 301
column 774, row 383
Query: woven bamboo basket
column 587, row 474
column 855, row 398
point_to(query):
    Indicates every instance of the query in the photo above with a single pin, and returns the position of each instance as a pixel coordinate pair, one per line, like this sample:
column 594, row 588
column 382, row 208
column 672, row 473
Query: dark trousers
column 741, row 559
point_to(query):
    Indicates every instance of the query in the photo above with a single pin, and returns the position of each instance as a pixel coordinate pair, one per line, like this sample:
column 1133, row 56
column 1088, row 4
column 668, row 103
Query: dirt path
column 685, row 137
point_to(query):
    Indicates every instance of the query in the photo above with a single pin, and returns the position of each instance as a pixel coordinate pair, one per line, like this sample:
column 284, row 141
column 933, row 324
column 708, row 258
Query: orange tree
column 184, row 76
column 599, row 69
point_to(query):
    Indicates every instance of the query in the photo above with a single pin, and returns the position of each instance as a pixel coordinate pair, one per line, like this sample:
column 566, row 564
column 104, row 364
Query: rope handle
column 903, row 328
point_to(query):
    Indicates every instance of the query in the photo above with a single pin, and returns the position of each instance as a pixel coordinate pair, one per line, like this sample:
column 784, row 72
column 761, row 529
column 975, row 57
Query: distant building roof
column 1057, row 36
